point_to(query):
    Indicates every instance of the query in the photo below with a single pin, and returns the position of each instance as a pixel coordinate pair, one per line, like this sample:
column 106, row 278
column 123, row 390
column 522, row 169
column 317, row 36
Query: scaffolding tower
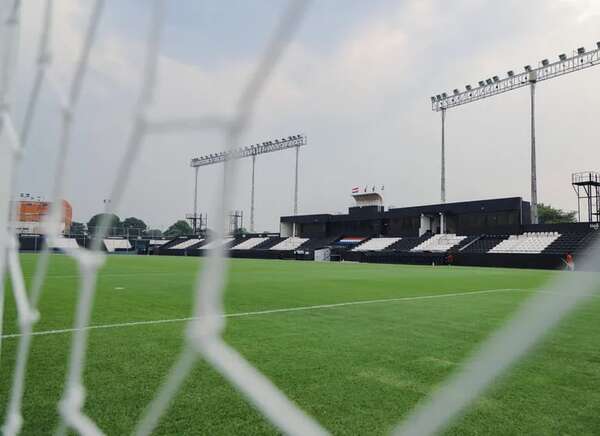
column 236, row 221
column 198, row 222
column 587, row 187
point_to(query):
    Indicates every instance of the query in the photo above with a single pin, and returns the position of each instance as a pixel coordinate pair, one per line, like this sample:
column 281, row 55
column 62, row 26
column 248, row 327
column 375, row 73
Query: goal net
column 204, row 332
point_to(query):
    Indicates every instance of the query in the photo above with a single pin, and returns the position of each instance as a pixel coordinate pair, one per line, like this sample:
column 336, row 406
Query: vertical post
column 443, row 175
column 195, row 220
column 534, row 211
column 252, row 196
column 296, row 182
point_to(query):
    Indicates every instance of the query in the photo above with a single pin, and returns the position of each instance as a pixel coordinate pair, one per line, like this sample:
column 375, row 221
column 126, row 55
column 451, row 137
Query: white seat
column 527, row 243
column 376, row 244
column 439, row 243
column 185, row 244
column 63, row 243
column 289, row 244
column 113, row 245
column 249, row 243
column 216, row 243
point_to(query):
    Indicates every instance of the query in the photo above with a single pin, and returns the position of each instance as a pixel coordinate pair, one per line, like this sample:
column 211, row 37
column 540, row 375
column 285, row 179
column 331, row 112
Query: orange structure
column 33, row 212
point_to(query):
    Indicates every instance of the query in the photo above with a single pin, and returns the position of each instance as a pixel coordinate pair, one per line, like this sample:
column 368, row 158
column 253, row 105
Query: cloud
column 363, row 103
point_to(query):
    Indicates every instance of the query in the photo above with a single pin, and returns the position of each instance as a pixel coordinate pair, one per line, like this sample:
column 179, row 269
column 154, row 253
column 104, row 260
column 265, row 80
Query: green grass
column 358, row 369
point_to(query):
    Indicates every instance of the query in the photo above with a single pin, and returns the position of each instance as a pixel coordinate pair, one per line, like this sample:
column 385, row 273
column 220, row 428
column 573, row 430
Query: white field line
column 266, row 312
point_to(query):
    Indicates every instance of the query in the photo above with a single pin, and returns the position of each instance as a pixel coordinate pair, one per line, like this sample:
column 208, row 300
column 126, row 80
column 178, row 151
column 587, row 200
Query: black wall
column 503, row 215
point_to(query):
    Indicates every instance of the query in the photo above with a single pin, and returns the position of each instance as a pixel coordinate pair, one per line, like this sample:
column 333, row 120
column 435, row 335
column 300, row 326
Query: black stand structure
column 587, row 187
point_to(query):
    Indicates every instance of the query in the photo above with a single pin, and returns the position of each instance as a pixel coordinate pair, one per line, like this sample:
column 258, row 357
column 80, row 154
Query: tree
column 550, row 215
column 179, row 228
column 133, row 226
column 113, row 223
column 153, row 233
column 240, row 231
column 77, row 228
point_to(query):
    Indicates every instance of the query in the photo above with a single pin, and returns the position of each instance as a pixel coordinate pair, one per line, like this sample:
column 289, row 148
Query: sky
column 356, row 80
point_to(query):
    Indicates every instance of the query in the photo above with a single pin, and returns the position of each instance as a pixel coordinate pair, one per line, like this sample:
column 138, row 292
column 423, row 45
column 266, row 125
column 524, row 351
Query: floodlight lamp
column 488, row 81
column 510, row 73
column 468, row 87
column 444, row 95
column 581, row 50
column 598, row 44
column 545, row 62
column 456, row 92
column 562, row 57
column 481, row 83
column 527, row 68
column 496, row 79
column 439, row 97
column 433, row 99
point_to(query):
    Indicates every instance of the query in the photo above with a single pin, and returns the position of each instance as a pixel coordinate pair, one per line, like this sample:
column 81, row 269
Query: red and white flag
column 355, row 190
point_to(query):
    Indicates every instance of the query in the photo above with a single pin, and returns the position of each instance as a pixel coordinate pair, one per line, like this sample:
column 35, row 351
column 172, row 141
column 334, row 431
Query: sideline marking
column 264, row 312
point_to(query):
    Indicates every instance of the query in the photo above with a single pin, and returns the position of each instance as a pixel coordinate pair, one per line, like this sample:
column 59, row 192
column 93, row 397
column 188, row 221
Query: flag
column 355, row 190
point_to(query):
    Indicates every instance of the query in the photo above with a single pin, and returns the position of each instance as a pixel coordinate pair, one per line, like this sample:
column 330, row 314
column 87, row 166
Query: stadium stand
column 188, row 243
column 439, row 243
column 289, row 244
column 249, row 243
column 213, row 244
column 376, row 244
column 483, row 243
column 408, row 243
column 270, row 242
column 569, row 243
column 113, row 245
column 316, row 243
column 529, row 242
column 158, row 242
column 62, row 243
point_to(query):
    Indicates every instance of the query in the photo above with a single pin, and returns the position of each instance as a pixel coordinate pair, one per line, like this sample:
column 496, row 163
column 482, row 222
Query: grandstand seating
column 249, row 243
column 316, row 243
column 408, row 243
column 158, row 242
column 289, row 244
column 529, row 242
column 376, row 244
column 269, row 242
column 62, row 243
column 113, row 245
column 187, row 243
column 484, row 243
column 213, row 244
column 569, row 243
column 439, row 243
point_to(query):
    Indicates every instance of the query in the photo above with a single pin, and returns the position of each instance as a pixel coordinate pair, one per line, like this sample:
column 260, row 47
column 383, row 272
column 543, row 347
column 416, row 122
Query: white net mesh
column 205, row 328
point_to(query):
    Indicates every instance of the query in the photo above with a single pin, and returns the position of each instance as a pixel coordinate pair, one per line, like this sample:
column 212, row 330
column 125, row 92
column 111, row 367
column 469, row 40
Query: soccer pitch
column 357, row 368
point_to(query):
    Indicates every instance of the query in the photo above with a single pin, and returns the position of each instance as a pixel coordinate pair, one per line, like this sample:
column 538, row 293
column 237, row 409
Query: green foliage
column 153, row 233
column 550, row 215
column 179, row 228
column 77, row 228
column 240, row 231
column 114, row 223
column 134, row 223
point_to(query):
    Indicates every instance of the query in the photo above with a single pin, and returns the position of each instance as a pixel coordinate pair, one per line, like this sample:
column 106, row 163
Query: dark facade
column 503, row 215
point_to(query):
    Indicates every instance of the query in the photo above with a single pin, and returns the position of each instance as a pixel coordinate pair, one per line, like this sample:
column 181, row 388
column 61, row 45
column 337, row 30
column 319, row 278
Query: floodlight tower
column 580, row 59
column 253, row 151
